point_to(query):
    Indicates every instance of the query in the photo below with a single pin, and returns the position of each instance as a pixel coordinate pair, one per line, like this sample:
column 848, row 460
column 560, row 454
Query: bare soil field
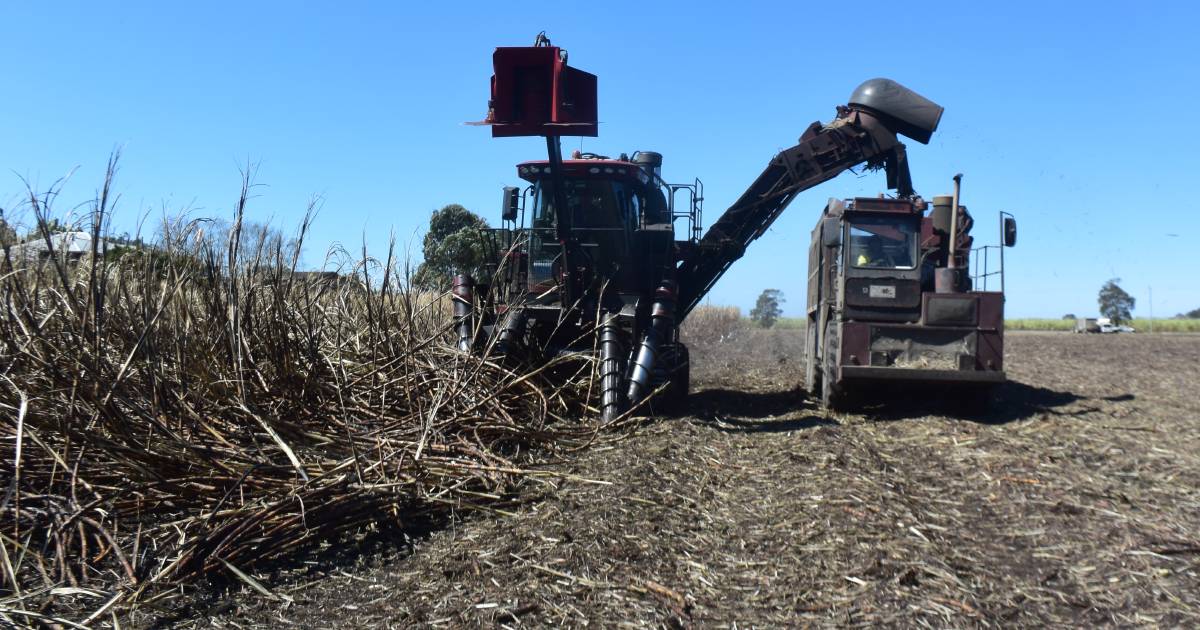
column 1073, row 502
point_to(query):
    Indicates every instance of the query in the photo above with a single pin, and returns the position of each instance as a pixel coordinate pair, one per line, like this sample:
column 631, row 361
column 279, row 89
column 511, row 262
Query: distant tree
column 1070, row 316
column 1115, row 303
column 264, row 244
column 1192, row 314
column 767, row 310
column 53, row 226
column 454, row 243
column 259, row 245
column 8, row 236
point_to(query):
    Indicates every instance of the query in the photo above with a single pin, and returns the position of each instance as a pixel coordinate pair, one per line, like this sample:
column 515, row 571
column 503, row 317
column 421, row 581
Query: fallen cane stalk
column 152, row 391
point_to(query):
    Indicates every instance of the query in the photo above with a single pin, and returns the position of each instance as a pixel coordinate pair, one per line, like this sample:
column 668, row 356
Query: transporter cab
column 889, row 299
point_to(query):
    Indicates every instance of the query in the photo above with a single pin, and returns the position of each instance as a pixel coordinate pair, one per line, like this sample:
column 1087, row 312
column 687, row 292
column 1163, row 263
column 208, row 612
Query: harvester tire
column 831, row 395
column 681, row 377
column 812, row 374
column 677, row 373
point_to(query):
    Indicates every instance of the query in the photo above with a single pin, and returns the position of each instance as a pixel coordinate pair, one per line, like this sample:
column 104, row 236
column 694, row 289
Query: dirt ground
column 1073, row 502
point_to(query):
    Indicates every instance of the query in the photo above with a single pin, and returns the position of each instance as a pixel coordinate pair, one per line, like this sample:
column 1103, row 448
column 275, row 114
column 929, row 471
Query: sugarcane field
column 736, row 350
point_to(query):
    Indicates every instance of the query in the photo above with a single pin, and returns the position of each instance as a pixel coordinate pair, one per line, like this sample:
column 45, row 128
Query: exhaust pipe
column 662, row 318
column 946, row 279
column 463, row 296
column 953, row 260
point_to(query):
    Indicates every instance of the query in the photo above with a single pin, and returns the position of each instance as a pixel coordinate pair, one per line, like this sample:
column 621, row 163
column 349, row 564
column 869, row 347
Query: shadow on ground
column 754, row 412
column 1011, row 401
column 777, row 410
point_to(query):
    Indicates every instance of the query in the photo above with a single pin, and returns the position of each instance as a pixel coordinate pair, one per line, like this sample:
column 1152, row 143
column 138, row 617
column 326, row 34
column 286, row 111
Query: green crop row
column 1140, row 324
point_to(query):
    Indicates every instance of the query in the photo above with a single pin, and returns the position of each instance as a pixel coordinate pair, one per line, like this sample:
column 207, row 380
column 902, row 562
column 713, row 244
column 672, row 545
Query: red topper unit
column 535, row 93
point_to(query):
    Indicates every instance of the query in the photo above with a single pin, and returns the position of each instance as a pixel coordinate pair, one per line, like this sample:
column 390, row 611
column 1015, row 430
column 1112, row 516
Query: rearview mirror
column 831, row 232
column 1010, row 231
column 511, row 204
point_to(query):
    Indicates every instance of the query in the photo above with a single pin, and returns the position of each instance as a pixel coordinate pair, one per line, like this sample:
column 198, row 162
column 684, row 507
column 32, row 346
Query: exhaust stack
column 947, row 279
column 650, row 161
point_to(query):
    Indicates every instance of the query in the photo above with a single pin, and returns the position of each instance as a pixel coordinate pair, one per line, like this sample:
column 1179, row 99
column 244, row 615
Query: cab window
column 883, row 243
column 593, row 204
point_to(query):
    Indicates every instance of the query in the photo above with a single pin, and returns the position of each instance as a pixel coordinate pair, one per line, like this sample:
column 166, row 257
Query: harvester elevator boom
column 865, row 130
column 612, row 279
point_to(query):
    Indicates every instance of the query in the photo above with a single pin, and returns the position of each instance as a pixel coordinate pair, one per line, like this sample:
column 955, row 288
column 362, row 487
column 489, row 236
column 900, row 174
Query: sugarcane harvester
column 600, row 267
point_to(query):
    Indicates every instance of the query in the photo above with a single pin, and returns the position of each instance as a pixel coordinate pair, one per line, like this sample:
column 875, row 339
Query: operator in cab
column 871, row 255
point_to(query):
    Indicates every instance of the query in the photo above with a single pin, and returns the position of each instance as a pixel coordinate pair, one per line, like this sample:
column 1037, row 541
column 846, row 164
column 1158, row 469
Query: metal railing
column 982, row 256
column 694, row 213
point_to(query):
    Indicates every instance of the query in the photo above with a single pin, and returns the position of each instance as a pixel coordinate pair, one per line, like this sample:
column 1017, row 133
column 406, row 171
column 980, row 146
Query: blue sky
column 1078, row 117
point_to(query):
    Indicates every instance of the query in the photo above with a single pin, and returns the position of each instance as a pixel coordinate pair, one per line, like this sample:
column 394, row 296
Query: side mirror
column 511, row 204
column 831, row 232
column 1010, row 231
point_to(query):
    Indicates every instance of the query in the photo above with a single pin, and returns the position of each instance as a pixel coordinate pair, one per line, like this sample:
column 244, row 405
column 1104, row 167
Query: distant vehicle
column 1102, row 325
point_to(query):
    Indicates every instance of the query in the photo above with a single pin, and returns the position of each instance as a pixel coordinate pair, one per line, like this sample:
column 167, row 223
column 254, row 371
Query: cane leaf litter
column 197, row 435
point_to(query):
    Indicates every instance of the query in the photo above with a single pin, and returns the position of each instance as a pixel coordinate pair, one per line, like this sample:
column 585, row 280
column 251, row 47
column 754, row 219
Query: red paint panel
column 856, row 340
column 582, row 168
column 989, row 354
column 876, row 204
column 991, row 310
column 535, row 93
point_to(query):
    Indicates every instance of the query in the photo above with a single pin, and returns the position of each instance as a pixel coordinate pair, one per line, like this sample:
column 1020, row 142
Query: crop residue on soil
column 1074, row 503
